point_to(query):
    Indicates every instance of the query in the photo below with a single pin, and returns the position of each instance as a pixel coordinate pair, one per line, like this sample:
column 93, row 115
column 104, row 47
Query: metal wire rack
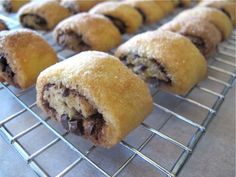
column 160, row 145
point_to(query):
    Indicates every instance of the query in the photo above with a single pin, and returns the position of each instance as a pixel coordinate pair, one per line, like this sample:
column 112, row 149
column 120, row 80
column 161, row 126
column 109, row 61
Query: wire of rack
column 218, row 75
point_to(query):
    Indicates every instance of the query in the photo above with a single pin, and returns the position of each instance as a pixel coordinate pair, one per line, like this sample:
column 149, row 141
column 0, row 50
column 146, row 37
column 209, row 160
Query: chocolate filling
column 72, row 114
column 72, row 40
column 198, row 42
column 118, row 23
column 148, row 69
column 7, row 5
column 33, row 21
column 3, row 25
column 6, row 70
column 142, row 14
column 181, row 3
column 226, row 13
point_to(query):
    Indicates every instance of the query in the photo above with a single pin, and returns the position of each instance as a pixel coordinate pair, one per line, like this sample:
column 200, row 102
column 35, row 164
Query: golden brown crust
column 27, row 54
column 76, row 6
column 167, row 6
column 121, row 97
column 198, row 29
column 13, row 5
column 218, row 18
column 3, row 25
column 95, row 30
column 125, row 13
column 150, row 11
column 50, row 11
column 228, row 7
column 181, row 60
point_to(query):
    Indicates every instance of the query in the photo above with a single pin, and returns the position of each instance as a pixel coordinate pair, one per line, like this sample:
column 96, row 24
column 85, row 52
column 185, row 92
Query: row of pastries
column 93, row 94
column 98, row 29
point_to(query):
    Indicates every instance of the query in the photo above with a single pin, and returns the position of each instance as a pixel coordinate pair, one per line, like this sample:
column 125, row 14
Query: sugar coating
column 218, row 18
column 175, row 52
column 119, row 95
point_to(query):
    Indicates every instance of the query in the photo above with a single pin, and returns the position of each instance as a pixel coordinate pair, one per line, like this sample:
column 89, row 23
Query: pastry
column 167, row 6
column 3, row 25
column 23, row 55
column 202, row 33
column 229, row 8
column 76, row 6
column 214, row 16
column 165, row 58
column 13, row 5
column 94, row 95
column 86, row 31
column 150, row 10
column 126, row 18
column 42, row 15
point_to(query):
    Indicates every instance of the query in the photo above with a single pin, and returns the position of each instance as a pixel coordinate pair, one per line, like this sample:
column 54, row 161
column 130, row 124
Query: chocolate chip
column 72, row 125
column 93, row 125
column 118, row 23
column 123, row 57
column 129, row 65
column 47, row 86
column 198, row 42
column 64, row 121
column 181, row 3
column 76, row 126
column 5, row 67
column 143, row 67
column 89, row 126
column 72, row 40
column 66, row 92
column 38, row 21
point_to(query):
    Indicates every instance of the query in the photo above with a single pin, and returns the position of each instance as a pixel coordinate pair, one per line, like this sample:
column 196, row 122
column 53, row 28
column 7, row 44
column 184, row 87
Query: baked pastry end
column 95, row 96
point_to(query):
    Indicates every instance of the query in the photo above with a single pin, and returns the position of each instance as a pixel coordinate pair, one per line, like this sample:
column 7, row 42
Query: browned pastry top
column 194, row 28
column 76, row 6
column 214, row 16
column 228, row 7
column 13, row 5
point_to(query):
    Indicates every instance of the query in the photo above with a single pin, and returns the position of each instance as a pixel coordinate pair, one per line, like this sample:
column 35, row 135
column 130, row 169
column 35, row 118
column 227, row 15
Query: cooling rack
column 160, row 146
